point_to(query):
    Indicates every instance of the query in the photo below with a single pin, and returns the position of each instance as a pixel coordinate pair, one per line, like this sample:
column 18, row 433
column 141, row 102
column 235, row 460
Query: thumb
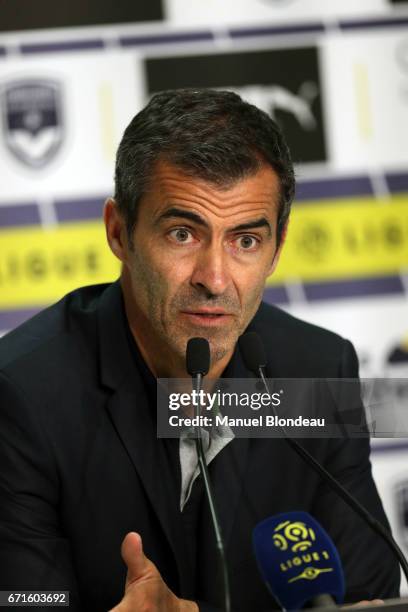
column 133, row 556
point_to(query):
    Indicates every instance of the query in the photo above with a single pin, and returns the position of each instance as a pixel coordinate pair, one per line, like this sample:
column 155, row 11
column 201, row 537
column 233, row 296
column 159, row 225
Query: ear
column 115, row 227
column 279, row 249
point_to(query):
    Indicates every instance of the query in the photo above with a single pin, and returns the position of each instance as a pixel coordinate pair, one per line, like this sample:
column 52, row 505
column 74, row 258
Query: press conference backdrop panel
column 333, row 74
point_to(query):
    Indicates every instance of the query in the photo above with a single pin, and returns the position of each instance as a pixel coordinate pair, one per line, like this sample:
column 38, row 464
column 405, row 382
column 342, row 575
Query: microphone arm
column 341, row 491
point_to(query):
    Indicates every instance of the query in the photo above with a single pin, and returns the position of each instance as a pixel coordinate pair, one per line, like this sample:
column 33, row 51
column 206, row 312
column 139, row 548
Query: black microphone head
column 252, row 351
column 198, row 356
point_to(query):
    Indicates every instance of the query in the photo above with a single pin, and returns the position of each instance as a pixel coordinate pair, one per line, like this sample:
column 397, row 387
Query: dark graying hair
column 209, row 134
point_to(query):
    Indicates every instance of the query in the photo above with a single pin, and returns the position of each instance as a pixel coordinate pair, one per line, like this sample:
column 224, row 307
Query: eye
column 247, row 242
column 181, row 235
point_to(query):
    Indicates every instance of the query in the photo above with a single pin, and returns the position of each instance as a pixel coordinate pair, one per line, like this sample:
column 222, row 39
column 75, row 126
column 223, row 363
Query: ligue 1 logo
column 299, row 538
column 296, row 536
column 33, row 120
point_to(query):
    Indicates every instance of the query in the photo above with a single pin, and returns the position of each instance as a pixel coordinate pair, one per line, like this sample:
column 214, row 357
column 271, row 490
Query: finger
column 133, row 556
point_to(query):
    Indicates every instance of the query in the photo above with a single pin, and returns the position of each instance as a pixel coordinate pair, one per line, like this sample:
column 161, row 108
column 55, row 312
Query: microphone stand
column 197, row 383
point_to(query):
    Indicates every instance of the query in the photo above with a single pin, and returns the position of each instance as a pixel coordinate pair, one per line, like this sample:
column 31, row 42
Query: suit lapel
column 131, row 416
column 137, row 432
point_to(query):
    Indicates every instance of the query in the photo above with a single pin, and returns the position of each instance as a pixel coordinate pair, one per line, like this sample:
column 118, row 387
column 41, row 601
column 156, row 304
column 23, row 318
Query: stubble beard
column 175, row 336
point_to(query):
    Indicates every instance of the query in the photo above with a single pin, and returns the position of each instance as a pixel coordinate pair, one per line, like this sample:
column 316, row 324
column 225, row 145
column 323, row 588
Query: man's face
column 200, row 258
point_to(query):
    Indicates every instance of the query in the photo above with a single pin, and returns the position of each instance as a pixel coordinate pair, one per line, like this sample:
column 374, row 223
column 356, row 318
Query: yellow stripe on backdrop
column 343, row 239
column 38, row 267
column 329, row 240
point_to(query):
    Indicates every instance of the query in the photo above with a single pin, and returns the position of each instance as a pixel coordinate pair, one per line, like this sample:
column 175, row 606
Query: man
column 204, row 184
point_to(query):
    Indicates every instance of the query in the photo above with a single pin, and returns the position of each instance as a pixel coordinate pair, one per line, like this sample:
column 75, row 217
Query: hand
column 145, row 588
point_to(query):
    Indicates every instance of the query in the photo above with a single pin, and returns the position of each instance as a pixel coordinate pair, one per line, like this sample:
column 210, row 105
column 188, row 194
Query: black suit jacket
column 80, row 465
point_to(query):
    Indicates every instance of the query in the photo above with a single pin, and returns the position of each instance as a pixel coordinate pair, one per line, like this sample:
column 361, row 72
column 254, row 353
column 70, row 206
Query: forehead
column 253, row 195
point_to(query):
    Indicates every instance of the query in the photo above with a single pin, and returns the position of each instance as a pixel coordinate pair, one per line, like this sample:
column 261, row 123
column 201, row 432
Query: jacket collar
column 116, row 362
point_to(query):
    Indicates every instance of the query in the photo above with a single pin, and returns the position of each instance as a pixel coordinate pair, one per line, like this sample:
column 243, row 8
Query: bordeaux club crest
column 33, row 120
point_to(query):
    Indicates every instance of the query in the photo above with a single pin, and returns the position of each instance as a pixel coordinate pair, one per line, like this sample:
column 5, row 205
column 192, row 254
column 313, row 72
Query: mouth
column 208, row 318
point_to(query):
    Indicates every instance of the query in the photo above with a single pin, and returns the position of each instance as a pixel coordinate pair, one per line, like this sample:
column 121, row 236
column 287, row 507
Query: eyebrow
column 261, row 222
column 179, row 213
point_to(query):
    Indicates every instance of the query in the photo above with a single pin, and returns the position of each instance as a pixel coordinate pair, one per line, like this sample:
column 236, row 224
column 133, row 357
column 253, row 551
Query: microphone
column 198, row 356
column 198, row 365
column 253, row 353
column 298, row 561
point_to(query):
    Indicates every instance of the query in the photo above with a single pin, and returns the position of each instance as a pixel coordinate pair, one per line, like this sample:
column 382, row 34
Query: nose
column 210, row 272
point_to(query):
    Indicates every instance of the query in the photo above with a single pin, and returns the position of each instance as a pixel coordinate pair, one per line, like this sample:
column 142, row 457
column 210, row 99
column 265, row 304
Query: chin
column 221, row 348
